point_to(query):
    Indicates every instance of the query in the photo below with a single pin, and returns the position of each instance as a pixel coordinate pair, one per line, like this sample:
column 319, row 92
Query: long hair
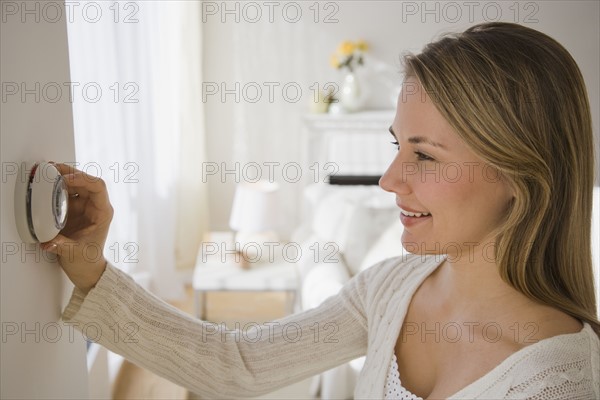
column 518, row 99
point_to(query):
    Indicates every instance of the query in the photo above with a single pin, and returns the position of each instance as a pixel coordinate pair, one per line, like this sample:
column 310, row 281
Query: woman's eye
column 423, row 157
column 396, row 144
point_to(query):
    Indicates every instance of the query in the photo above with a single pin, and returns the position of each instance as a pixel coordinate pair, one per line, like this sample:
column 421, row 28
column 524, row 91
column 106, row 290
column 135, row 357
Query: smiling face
column 461, row 199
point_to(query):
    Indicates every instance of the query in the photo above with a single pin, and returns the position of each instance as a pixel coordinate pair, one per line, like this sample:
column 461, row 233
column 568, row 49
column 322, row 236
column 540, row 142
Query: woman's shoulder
column 561, row 361
column 583, row 345
column 562, row 366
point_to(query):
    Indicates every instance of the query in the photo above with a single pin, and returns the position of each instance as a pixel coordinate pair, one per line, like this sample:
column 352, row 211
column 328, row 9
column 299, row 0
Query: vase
column 352, row 93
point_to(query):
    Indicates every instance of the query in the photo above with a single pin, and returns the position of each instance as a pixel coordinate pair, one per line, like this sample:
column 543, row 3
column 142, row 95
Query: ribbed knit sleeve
column 210, row 360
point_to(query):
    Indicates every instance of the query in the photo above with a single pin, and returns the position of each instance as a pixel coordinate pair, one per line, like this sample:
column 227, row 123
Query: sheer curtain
column 135, row 71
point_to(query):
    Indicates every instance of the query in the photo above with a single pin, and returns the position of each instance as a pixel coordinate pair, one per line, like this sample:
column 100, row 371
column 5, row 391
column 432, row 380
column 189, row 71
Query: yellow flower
column 346, row 48
column 349, row 55
column 362, row 45
column 333, row 60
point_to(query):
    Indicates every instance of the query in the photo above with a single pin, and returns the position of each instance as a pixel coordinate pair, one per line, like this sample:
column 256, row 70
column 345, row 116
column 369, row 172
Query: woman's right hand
column 80, row 244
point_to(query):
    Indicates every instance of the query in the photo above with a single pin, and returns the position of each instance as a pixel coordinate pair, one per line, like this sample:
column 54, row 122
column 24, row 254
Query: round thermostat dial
column 41, row 202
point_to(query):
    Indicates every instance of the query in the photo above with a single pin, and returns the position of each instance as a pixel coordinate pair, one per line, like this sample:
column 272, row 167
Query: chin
column 419, row 248
column 422, row 247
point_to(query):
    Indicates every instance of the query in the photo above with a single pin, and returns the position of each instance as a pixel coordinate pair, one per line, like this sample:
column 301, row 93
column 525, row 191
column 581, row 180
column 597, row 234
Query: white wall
column 41, row 357
column 391, row 27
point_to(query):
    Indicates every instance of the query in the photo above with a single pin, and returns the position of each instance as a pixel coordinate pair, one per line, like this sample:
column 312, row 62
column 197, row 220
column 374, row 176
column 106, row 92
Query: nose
column 394, row 179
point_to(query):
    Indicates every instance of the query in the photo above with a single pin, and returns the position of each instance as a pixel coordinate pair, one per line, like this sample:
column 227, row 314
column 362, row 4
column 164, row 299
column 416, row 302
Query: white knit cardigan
column 364, row 318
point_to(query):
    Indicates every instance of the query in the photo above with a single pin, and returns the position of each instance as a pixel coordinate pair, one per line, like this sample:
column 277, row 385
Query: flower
column 346, row 48
column 349, row 55
column 362, row 45
column 334, row 61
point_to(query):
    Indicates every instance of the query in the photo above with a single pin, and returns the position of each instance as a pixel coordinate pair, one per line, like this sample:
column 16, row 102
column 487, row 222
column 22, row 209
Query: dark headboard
column 354, row 179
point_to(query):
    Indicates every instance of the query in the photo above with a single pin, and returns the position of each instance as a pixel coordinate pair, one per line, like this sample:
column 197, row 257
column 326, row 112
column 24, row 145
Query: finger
column 68, row 172
column 65, row 169
column 77, row 193
column 61, row 246
column 76, row 204
column 83, row 180
column 50, row 247
column 74, row 192
column 89, row 187
column 55, row 245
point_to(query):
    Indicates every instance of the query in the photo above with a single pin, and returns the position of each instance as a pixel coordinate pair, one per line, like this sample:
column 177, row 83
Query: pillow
column 389, row 244
column 368, row 222
column 316, row 252
column 332, row 217
column 323, row 281
column 333, row 209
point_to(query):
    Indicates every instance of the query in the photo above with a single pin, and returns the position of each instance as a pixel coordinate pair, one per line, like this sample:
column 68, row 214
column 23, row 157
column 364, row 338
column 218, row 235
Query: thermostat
column 41, row 202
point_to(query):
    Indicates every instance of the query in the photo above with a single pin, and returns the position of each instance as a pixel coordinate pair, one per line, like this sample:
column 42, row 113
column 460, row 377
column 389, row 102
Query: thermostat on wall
column 41, row 202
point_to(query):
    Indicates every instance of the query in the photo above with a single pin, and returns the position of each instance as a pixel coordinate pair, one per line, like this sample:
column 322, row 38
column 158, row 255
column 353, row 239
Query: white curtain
column 136, row 72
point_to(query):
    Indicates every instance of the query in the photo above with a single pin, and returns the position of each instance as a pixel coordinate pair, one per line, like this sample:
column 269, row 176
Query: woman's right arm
column 110, row 308
column 208, row 359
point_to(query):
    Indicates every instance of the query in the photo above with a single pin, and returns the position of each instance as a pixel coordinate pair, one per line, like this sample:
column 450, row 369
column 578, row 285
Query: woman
column 494, row 177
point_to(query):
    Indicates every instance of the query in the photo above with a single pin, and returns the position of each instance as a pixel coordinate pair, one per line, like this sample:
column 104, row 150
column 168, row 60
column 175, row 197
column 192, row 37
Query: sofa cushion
column 332, row 218
column 367, row 223
column 389, row 244
column 315, row 252
column 323, row 281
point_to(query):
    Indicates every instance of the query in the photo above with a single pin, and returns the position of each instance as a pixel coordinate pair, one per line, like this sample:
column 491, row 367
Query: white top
column 364, row 318
column 393, row 388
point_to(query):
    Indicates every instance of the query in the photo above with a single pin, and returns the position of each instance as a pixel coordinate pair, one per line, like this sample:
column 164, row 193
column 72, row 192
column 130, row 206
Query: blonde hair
column 518, row 99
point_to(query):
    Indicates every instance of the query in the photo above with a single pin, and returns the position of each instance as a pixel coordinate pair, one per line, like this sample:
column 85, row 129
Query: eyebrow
column 419, row 140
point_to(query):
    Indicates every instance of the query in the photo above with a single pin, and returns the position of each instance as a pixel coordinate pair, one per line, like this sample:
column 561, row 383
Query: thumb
column 56, row 245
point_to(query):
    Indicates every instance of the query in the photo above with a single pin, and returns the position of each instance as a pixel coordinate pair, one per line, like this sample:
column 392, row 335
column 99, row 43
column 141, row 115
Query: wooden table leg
column 200, row 304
